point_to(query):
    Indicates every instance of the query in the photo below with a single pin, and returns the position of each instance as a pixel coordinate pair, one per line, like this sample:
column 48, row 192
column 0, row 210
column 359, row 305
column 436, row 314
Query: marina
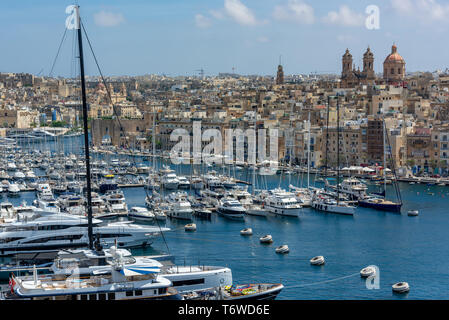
column 377, row 231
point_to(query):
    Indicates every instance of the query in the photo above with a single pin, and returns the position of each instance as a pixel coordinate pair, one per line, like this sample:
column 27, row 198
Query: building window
column 392, row 70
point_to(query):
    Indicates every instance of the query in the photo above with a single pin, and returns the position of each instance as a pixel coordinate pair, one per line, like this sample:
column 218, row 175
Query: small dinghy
column 401, row 287
column 412, row 213
column 266, row 239
column 317, row 261
column 246, row 232
column 190, row 227
column 282, row 249
column 367, row 272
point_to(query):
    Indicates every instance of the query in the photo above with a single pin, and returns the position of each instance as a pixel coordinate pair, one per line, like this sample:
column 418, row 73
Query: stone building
column 350, row 77
column 394, row 67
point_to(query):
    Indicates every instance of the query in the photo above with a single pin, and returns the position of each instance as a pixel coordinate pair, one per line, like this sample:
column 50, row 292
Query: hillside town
column 414, row 106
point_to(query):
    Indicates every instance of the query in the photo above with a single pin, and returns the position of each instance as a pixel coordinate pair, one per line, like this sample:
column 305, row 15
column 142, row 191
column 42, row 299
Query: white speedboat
column 412, row 213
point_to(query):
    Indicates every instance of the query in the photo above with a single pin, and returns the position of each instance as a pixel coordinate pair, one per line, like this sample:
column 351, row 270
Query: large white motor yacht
column 282, row 203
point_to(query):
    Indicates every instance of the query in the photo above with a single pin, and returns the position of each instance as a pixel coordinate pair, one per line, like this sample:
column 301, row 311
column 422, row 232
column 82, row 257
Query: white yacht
column 179, row 206
column 170, row 181
column 325, row 203
column 282, row 203
column 140, row 214
column 72, row 204
column 13, row 190
column 231, row 208
column 118, row 281
column 351, row 187
column 183, row 278
column 183, row 183
column 115, row 204
column 50, row 232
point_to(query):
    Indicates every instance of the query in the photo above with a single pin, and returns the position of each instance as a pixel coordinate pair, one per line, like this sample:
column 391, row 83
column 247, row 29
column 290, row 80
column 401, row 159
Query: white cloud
column 202, row 21
column 345, row 17
column 217, row 14
column 295, row 10
column 263, row 39
column 240, row 13
column 108, row 19
column 424, row 10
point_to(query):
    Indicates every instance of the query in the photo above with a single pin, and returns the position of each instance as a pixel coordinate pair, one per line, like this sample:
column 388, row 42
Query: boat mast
column 153, row 138
column 308, row 154
column 385, row 162
column 327, row 142
column 86, row 132
column 338, row 150
column 253, row 191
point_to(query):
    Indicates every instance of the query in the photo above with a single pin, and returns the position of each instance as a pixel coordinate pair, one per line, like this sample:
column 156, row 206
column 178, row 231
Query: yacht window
column 129, row 293
column 138, row 292
column 187, row 282
column 92, row 297
column 83, row 297
column 111, row 296
column 102, row 296
column 162, row 290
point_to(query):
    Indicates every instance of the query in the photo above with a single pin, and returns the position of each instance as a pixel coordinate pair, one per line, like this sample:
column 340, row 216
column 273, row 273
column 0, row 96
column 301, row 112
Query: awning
column 139, row 270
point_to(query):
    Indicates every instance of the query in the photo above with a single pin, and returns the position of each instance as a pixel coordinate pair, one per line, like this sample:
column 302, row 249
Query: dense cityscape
column 413, row 105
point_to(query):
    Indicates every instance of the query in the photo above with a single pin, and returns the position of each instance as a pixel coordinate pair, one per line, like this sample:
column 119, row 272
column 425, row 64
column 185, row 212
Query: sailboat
column 379, row 201
column 322, row 200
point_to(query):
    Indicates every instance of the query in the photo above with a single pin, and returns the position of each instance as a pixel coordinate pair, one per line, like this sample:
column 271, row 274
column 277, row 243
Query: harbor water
column 411, row 249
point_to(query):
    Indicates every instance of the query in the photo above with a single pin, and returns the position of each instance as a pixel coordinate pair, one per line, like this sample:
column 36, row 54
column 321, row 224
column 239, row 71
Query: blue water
column 412, row 249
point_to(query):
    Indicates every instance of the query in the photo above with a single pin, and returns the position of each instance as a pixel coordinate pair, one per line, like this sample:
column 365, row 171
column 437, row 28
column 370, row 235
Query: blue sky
column 135, row 37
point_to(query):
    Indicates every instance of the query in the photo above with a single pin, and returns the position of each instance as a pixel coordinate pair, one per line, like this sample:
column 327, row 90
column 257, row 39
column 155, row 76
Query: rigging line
column 322, row 282
column 117, row 117
column 57, row 54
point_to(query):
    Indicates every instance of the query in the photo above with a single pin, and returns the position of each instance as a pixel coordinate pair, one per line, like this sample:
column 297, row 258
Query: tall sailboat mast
column 308, row 153
column 338, row 150
column 384, row 130
column 86, row 132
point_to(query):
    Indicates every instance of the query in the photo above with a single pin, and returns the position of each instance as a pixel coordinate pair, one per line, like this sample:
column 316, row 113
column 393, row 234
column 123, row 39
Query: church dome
column 394, row 56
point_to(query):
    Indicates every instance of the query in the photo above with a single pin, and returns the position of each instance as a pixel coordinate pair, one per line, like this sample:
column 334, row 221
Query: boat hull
column 396, row 207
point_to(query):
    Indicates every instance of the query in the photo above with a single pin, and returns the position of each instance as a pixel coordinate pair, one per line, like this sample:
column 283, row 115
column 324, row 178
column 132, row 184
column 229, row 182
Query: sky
column 174, row 37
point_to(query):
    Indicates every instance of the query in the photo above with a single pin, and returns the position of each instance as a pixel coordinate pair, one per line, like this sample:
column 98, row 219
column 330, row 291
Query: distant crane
column 201, row 71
